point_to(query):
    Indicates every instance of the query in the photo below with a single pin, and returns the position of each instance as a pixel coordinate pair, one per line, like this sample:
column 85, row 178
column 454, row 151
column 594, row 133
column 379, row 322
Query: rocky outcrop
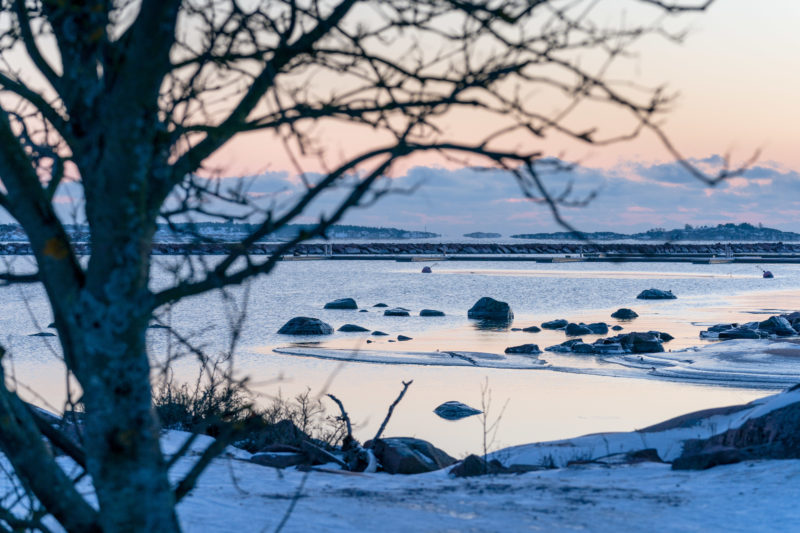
column 453, row 410
column 525, row 349
column 635, row 342
column 656, row 294
column 775, row 435
column 303, row 325
column 786, row 325
column 490, row 309
column 342, row 303
column 624, row 314
column 431, row 312
column 405, row 455
column 352, row 328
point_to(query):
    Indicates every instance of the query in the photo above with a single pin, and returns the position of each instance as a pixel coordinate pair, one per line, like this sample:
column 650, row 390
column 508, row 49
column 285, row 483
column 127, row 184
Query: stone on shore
column 453, row 410
column 624, row 314
column 405, row 455
column 342, row 303
column 303, row 325
column 656, row 294
column 490, row 309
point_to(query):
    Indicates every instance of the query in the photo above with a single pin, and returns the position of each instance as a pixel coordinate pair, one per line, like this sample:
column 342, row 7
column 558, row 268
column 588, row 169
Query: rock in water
column 402, row 338
column 777, row 325
column 405, row 455
column 453, row 410
column 531, row 329
column 378, row 333
column 380, row 305
column 431, row 312
column 342, row 303
column 624, row 314
column 656, row 294
column 559, row 323
column 598, row 328
column 525, row 349
column 576, row 330
column 490, row 309
column 397, row 311
column 352, row 328
column 303, row 325
column 426, row 270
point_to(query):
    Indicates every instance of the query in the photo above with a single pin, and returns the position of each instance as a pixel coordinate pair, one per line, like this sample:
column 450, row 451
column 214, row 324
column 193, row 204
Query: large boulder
column 303, row 325
column 525, row 349
column 453, row 410
column 576, row 330
column 624, row 314
column 342, row 303
column 656, row 294
column 405, row 455
column 559, row 323
column 490, row 309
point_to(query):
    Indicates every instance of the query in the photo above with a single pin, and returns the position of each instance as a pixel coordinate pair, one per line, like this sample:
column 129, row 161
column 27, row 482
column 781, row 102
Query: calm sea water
column 541, row 405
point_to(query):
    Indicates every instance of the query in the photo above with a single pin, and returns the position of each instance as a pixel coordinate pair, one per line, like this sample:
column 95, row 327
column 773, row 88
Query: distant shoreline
column 746, row 252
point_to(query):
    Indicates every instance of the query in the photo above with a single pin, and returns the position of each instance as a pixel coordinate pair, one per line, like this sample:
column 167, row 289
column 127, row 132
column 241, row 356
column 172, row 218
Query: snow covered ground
column 235, row 495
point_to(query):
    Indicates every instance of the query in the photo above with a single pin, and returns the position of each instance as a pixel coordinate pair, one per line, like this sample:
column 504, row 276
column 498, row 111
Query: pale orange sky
column 738, row 75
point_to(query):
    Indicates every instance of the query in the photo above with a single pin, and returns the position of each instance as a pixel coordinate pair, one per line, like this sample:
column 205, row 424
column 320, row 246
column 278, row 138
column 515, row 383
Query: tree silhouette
column 126, row 101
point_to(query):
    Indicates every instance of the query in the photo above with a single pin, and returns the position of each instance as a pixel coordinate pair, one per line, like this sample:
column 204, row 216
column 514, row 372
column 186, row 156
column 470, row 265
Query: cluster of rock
column 635, row 342
column 786, row 325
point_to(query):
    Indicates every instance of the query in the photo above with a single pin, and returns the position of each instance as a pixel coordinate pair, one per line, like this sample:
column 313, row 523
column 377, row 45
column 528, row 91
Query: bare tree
column 127, row 101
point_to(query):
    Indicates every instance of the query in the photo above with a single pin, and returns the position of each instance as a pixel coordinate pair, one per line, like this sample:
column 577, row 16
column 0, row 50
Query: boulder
column 777, row 325
column 473, row 466
column 641, row 342
column 405, row 455
column 559, row 323
column 380, row 305
column 656, row 294
column 490, row 309
column 531, row 329
column 576, row 330
column 582, row 347
column 525, row 349
column 431, row 312
column 624, row 314
column 598, row 328
column 617, row 328
column 453, row 410
column 303, row 325
column 607, row 348
column 342, row 303
column 426, row 270
column 378, row 333
column 402, row 338
column 352, row 328
column 396, row 311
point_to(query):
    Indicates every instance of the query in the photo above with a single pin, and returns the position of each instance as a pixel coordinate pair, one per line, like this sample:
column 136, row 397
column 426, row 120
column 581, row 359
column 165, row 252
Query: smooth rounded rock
column 303, row 325
column 490, row 309
column 342, row 303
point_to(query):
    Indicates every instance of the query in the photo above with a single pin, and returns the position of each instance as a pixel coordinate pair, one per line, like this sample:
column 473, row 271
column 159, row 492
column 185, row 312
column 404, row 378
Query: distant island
column 482, row 235
column 720, row 232
column 231, row 232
